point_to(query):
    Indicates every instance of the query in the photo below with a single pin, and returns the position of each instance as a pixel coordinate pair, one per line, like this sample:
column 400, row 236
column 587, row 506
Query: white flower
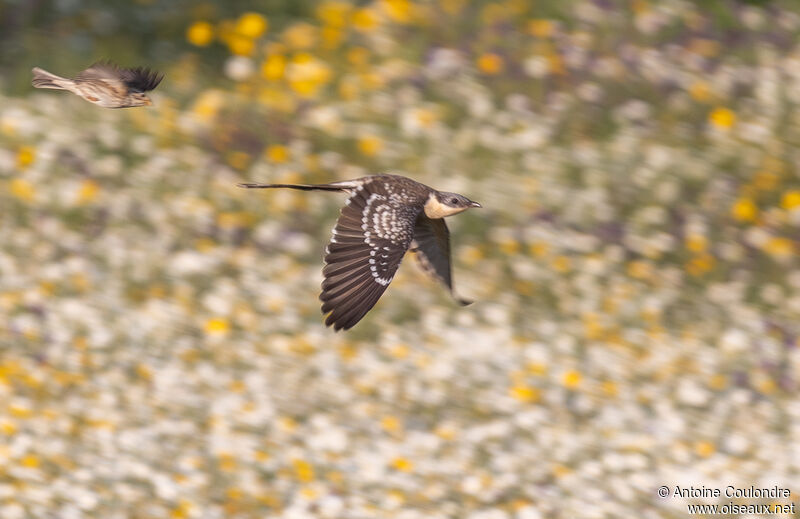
column 239, row 68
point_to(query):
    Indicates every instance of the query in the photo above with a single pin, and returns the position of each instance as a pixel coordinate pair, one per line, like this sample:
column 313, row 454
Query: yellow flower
column 766, row 385
column 303, row 471
column 791, row 200
column 238, row 159
column 472, row 255
column 277, row 153
column 208, row 104
column 779, row 247
column 541, row 28
column 705, row 47
column 744, row 210
column 398, row 10
column 371, row 80
column 370, row 145
column 200, row 34
column 333, row 13
column 252, row 25
column 22, row 189
column 19, row 411
column 234, row 219
column 402, row 464
column 182, row 510
column 234, row 493
column 391, row 424
column 494, row 13
column 704, row 449
column 593, row 328
column 718, row 382
column 699, row 265
column 722, row 118
column 538, row 249
column 240, row 45
column 88, row 191
column 524, row 393
column 560, row 470
column 204, row 244
column 640, row 6
column 445, row 431
column 452, row 6
column 536, row 368
column 365, row 20
column 273, row 67
column 426, row 117
column 300, row 36
column 25, row 156
column 399, row 351
column 358, row 56
column 509, row 246
column 306, row 74
column 490, row 63
column 610, row 388
column 696, row 242
column 572, row 379
column 562, row 264
column 331, row 37
column 556, row 63
column 639, row 269
column 8, row 428
column 227, row 462
column 217, row 326
column 30, row 461
column 765, row 180
column 700, row 91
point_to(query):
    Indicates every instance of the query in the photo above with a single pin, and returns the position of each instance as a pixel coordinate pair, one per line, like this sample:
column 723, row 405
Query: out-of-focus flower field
column 635, row 266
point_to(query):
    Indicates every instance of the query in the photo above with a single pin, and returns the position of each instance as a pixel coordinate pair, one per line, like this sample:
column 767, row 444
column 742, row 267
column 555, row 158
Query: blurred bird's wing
column 369, row 241
column 102, row 70
column 432, row 247
column 140, row 79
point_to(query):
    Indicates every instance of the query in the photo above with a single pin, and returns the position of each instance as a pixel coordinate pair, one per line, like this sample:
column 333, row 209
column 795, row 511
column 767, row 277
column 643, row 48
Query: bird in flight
column 384, row 216
column 105, row 84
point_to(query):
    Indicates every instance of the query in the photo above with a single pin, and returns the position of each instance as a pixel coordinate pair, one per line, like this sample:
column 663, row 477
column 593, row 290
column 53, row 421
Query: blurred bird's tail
column 44, row 79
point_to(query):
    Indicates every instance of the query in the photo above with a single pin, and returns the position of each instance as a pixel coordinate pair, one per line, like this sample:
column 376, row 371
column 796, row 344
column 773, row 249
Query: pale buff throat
column 435, row 209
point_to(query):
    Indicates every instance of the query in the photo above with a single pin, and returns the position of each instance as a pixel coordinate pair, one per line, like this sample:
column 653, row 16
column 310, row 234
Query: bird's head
column 140, row 99
column 442, row 203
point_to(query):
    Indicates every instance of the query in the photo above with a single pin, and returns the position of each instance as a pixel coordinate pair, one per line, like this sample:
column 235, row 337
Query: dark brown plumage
column 385, row 216
column 105, row 84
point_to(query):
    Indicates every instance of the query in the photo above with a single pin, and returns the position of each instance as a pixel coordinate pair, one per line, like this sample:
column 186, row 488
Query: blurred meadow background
column 635, row 266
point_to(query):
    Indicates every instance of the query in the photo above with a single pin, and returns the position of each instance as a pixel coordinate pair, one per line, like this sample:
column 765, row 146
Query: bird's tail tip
column 44, row 79
column 253, row 185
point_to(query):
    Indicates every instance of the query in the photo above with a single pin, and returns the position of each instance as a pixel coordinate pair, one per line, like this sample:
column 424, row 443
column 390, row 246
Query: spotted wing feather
column 370, row 238
column 432, row 247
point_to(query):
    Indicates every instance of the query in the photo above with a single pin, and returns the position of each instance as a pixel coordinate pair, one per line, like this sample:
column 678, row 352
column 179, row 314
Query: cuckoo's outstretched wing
column 432, row 247
column 370, row 239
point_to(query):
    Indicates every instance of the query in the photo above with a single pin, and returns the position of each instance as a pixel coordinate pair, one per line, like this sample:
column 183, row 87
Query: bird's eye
column 454, row 201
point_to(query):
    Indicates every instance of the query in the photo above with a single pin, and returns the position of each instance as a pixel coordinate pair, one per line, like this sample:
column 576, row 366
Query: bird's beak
column 148, row 101
column 475, row 204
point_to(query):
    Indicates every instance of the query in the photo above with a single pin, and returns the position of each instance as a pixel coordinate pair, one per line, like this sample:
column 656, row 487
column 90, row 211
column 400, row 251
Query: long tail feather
column 304, row 187
column 44, row 79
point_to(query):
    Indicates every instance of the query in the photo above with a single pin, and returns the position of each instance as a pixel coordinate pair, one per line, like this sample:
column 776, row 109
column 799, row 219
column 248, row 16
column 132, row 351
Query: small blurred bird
column 105, row 84
column 385, row 216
